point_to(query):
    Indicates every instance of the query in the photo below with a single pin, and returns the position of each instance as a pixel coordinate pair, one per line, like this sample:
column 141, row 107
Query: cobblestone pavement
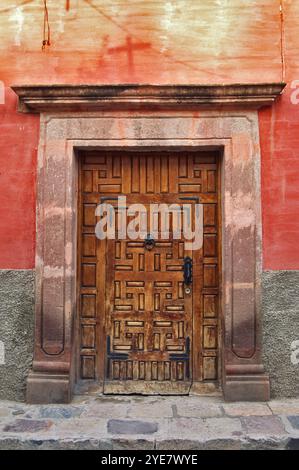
column 135, row 422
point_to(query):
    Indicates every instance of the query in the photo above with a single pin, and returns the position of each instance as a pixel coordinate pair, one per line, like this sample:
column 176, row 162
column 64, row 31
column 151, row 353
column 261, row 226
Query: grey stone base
column 280, row 330
column 247, row 388
column 16, row 331
column 46, row 388
column 143, row 444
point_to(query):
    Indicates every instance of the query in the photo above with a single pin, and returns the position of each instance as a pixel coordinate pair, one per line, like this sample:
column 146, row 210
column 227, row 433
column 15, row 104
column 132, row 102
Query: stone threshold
column 138, row 422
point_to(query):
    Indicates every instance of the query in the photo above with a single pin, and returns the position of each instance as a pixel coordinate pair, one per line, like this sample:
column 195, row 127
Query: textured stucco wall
column 16, row 330
column 280, row 330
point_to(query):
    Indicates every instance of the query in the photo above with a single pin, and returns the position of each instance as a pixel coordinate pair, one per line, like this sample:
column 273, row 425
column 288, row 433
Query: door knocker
column 187, row 274
column 149, row 242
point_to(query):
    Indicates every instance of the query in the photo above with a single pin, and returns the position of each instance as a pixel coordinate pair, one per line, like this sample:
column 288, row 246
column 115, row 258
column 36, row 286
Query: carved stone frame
column 159, row 118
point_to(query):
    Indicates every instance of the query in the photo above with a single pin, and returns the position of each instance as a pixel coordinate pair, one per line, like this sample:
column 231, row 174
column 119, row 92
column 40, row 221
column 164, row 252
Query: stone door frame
column 160, row 118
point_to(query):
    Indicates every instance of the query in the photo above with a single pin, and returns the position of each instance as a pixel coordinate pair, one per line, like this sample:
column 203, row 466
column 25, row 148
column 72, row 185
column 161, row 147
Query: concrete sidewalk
column 136, row 422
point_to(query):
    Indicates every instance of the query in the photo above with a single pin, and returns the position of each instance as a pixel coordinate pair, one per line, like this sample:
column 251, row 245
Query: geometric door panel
column 139, row 323
column 150, row 319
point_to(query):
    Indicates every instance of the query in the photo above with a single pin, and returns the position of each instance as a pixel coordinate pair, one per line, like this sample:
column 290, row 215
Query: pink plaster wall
column 173, row 41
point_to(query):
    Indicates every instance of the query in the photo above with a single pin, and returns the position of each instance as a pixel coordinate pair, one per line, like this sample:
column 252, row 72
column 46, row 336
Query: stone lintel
column 46, row 98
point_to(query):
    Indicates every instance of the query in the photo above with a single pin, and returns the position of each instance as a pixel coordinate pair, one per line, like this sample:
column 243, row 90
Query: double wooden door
column 143, row 328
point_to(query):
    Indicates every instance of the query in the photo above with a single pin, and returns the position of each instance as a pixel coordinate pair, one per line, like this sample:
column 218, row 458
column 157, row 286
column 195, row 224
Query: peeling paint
column 244, row 285
column 241, row 213
column 17, row 20
column 69, row 253
column 54, row 211
column 52, row 272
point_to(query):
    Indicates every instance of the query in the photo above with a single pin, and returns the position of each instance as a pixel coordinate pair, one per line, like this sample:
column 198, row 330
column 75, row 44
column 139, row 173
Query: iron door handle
column 187, row 271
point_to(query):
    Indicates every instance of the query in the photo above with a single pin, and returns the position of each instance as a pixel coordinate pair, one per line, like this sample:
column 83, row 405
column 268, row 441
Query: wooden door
column 141, row 328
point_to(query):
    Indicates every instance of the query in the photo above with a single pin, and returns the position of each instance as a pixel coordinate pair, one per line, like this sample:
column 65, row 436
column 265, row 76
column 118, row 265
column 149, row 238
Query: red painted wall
column 18, row 147
column 173, row 41
column 279, row 131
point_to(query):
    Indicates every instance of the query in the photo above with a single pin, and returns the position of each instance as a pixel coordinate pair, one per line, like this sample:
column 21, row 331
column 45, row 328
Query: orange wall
column 174, row 41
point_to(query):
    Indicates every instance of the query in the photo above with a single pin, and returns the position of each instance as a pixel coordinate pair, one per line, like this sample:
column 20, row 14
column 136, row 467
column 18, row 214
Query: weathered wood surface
column 136, row 297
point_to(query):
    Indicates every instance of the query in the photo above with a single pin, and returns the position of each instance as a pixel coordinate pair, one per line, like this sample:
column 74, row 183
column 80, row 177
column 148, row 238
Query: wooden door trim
column 236, row 133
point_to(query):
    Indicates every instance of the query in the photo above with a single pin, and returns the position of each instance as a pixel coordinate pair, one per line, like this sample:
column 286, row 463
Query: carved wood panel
column 136, row 321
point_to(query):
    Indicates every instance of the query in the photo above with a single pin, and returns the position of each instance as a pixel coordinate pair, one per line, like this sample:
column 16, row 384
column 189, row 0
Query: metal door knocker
column 149, row 242
column 187, row 271
column 187, row 274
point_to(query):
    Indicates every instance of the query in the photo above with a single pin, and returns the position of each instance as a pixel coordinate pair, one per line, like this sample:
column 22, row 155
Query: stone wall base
column 16, row 331
column 247, row 388
column 45, row 388
column 280, row 309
